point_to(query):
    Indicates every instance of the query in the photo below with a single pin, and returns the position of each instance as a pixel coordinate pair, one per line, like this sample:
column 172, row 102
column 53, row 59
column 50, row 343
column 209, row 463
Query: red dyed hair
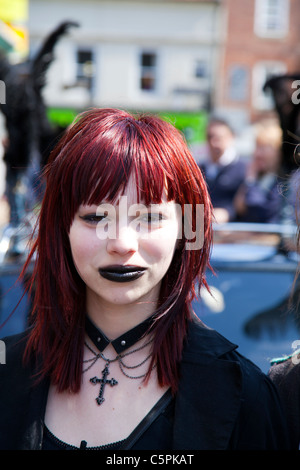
column 93, row 161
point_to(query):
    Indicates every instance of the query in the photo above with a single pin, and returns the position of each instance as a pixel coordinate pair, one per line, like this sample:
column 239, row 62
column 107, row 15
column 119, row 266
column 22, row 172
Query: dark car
column 254, row 291
column 14, row 304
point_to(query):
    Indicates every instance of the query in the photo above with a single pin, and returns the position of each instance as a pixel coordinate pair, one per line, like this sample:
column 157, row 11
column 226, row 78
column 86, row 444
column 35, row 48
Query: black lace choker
column 121, row 343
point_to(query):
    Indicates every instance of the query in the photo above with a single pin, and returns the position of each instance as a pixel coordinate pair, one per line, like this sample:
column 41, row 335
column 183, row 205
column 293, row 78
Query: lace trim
column 64, row 445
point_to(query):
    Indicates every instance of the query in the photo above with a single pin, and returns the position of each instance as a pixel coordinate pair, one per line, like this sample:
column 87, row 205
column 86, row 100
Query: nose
column 123, row 243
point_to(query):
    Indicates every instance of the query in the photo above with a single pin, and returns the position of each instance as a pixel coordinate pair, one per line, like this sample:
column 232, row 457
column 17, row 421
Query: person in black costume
column 30, row 135
column 115, row 357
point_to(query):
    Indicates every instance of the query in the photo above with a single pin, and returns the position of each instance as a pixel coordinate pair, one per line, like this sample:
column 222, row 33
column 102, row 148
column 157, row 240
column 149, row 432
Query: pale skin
column 115, row 308
column 219, row 138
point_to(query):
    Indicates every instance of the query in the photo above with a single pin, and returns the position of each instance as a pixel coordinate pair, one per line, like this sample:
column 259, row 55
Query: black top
column 153, row 432
column 223, row 401
column 285, row 373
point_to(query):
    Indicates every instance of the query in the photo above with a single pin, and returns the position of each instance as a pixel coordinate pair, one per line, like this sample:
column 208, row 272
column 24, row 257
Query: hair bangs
column 106, row 165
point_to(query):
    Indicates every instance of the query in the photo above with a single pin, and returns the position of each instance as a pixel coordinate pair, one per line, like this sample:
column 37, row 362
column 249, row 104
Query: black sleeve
column 286, row 377
column 262, row 423
column 21, row 403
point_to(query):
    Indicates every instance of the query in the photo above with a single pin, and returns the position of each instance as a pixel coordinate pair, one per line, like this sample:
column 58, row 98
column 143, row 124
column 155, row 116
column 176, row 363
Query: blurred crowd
column 242, row 189
column 253, row 189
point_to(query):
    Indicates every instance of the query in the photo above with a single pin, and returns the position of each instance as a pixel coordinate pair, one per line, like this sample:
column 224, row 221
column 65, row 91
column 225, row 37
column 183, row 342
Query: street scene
column 175, row 124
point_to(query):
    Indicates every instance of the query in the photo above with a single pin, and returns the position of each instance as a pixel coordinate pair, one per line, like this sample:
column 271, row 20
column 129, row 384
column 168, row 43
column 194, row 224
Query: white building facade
column 141, row 55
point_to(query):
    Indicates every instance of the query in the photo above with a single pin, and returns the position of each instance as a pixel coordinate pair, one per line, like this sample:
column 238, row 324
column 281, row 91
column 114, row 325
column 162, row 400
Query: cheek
column 77, row 254
column 83, row 247
column 167, row 240
column 161, row 249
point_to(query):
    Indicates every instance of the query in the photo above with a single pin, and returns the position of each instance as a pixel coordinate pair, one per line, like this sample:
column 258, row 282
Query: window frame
column 261, row 72
column 152, row 70
column 263, row 17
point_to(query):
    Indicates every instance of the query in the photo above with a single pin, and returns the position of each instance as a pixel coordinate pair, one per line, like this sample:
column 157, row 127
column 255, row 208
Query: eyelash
column 92, row 218
column 149, row 216
column 95, row 219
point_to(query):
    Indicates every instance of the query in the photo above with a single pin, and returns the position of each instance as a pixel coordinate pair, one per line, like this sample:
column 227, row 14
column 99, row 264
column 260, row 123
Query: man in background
column 224, row 171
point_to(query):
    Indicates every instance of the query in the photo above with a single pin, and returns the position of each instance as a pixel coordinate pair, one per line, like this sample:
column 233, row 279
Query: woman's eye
column 93, row 218
column 153, row 217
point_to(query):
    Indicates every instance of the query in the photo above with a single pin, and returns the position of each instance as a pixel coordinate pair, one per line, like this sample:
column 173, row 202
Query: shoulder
column 288, row 360
column 240, row 163
column 203, row 342
column 285, row 374
column 205, row 345
column 285, row 371
column 237, row 168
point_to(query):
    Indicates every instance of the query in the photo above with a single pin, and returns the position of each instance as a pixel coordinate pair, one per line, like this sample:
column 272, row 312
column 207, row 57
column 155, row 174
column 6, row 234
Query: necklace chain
column 118, row 358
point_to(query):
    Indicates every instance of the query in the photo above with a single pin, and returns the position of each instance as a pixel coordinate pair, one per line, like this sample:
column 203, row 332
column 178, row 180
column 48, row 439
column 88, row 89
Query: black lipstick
column 118, row 273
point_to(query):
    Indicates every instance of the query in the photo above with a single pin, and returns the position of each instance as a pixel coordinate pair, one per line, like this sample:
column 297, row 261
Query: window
column 201, row 69
column 271, row 18
column 262, row 71
column 85, row 68
column 148, row 64
column 238, row 83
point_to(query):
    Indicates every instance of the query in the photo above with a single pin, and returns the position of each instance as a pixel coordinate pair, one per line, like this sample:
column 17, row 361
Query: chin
column 123, row 299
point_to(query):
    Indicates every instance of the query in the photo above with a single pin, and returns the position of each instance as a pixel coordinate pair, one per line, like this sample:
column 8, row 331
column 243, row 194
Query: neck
column 114, row 320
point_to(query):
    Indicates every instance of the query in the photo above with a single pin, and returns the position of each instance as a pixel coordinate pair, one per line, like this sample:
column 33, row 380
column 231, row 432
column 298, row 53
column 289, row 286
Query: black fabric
column 154, row 432
column 224, row 185
column 286, row 376
column 51, row 442
column 223, row 400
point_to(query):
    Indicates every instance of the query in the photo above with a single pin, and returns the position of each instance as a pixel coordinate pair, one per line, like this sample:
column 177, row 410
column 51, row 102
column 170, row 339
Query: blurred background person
column 259, row 199
column 224, row 171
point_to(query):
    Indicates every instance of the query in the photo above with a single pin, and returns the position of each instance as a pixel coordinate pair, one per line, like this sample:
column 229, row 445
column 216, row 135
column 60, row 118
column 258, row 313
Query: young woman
column 114, row 357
